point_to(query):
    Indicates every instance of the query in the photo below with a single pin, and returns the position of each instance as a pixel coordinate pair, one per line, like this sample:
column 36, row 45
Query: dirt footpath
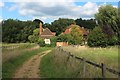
column 30, row 69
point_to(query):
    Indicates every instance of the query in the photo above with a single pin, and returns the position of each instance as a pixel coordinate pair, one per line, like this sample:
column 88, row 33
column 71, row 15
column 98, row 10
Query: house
column 46, row 34
column 85, row 32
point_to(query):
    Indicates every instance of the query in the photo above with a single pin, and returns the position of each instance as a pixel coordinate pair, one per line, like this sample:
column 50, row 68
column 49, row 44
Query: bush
column 41, row 42
column 97, row 38
column 53, row 41
column 66, row 38
column 113, row 41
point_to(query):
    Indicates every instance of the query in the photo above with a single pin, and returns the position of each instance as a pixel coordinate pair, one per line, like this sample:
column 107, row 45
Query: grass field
column 13, row 50
column 108, row 56
column 25, row 51
column 59, row 67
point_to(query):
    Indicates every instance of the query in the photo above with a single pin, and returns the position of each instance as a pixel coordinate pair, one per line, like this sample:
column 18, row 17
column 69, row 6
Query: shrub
column 41, row 42
column 97, row 38
column 113, row 40
column 66, row 38
column 53, row 41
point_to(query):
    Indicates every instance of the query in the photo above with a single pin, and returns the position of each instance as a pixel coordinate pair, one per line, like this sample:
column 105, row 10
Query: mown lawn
column 10, row 66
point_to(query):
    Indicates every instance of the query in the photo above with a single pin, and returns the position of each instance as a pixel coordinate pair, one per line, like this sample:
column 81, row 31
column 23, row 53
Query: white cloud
column 1, row 4
column 61, row 8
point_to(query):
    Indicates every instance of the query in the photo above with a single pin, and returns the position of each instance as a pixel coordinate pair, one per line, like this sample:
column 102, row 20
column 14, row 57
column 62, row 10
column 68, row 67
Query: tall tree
column 107, row 18
column 76, row 34
column 89, row 24
column 61, row 24
column 17, row 31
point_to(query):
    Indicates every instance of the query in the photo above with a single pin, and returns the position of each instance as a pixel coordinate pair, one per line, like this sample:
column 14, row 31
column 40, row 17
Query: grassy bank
column 57, row 65
column 11, row 65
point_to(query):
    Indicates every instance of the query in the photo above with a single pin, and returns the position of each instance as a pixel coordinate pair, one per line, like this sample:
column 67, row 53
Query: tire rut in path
column 30, row 69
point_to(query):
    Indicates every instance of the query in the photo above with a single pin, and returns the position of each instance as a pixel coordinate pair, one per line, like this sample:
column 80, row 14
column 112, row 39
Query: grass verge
column 54, row 66
column 10, row 66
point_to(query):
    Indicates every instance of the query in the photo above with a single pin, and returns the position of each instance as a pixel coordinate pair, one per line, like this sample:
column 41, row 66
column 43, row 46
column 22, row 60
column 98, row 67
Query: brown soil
column 30, row 69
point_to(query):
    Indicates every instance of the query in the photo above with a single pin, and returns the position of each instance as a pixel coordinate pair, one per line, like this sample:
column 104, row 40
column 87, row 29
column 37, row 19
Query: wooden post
column 103, row 70
column 84, row 67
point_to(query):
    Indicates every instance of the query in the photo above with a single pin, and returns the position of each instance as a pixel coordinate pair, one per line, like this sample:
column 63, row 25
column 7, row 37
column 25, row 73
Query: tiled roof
column 67, row 31
column 47, row 34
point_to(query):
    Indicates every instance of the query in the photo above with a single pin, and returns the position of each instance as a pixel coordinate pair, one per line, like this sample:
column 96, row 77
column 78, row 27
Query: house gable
column 68, row 29
column 46, row 34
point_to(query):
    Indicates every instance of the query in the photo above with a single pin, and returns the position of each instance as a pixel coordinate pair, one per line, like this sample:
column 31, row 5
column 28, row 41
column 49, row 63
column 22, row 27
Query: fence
column 101, row 66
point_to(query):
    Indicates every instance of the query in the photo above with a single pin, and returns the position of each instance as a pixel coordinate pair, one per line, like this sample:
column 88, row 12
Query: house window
column 47, row 41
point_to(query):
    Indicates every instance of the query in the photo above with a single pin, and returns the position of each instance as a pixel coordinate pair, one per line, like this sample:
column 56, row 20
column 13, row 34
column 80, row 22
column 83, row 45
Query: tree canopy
column 89, row 24
column 61, row 24
column 17, row 31
column 108, row 17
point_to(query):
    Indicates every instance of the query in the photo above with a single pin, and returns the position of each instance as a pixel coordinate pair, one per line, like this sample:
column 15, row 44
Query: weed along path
column 30, row 69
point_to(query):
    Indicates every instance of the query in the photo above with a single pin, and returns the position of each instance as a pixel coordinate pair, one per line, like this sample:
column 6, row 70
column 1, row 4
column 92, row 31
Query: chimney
column 40, row 28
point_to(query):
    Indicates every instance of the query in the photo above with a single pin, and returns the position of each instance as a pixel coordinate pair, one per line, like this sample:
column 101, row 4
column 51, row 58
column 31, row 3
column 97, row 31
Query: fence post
column 103, row 70
column 84, row 67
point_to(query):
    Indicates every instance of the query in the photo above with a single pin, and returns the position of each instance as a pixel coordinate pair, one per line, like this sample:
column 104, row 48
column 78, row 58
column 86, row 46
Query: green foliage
column 66, row 38
column 60, row 25
column 62, row 38
column 108, row 15
column 89, row 24
column 41, row 42
column 34, row 38
column 76, row 34
column 53, row 41
column 14, row 31
column 113, row 40
column 97, row 38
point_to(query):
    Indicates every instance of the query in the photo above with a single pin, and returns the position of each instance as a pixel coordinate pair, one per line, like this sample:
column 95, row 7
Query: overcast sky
column 49, row 11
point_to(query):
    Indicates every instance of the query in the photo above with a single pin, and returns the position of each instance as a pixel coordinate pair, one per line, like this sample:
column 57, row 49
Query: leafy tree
column 17, row 31
column 89, row 24
column 107, row 18
column 97, row 38
column 34, row 38
column 41, row 42
column 53, row 41
column 60, row 25
column 47, row 25
column 76, row 34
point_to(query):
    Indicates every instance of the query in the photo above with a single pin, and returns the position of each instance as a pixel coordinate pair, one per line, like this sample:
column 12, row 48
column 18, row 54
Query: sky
column 50, row 10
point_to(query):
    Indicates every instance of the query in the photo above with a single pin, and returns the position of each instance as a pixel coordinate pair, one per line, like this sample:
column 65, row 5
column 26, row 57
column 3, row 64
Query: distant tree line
column 16, row 31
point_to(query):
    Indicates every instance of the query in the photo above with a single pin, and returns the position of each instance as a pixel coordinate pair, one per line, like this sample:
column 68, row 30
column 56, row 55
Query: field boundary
column 101, row 66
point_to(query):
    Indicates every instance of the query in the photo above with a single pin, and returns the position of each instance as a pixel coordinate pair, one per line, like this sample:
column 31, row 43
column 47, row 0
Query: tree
column 89, row 24
column 76, row 34
column 17, row 31
column 34, row 38
column 107, row 17
column 60, row 25
column 97, row 38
